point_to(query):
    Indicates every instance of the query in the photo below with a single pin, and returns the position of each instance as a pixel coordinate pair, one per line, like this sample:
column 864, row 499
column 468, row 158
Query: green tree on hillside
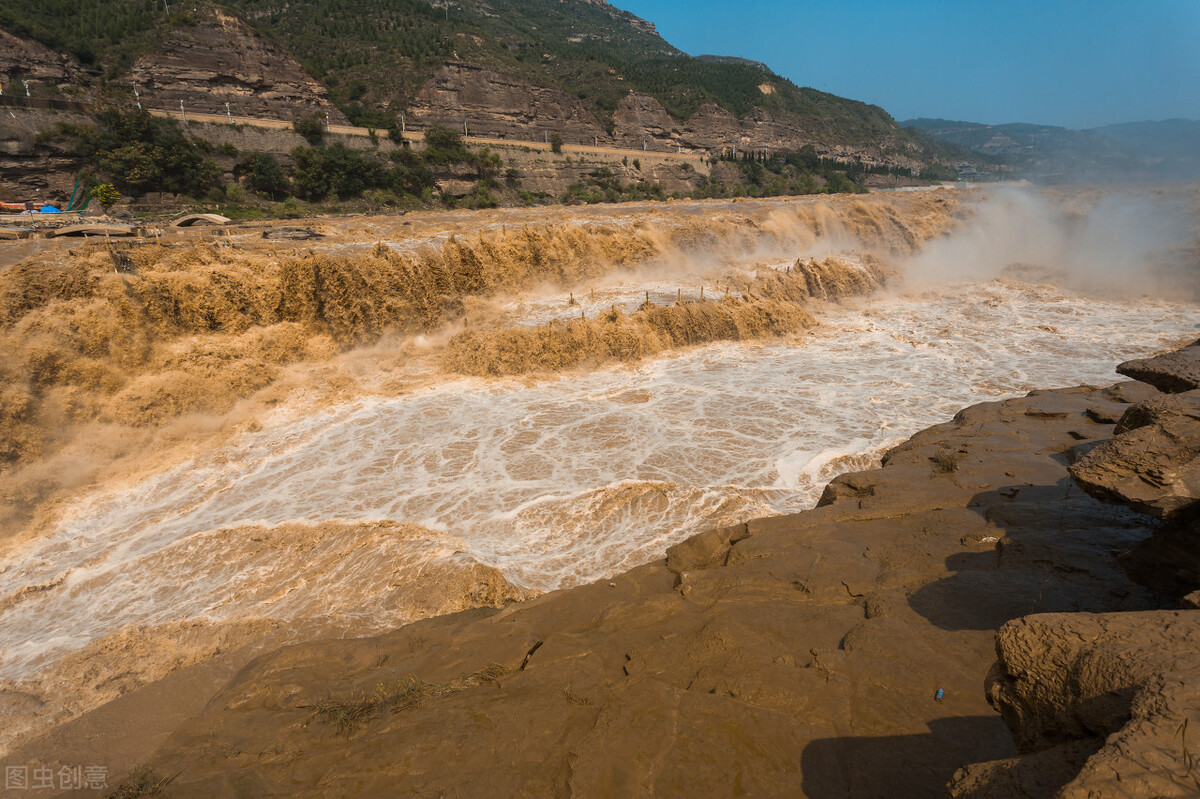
column 262, row 173
column 106, row 195
column 409, row 173
column 443, row 139
column 311, row 127
column 336, row 171
column 142, row 153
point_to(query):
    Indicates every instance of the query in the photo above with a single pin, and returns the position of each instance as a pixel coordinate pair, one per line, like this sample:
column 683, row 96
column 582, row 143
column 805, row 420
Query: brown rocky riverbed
column 836, row 652
column 241, row 470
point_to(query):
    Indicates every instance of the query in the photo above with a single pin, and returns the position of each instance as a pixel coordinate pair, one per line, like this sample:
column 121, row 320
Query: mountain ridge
column 605, row 71
column 1147, row 150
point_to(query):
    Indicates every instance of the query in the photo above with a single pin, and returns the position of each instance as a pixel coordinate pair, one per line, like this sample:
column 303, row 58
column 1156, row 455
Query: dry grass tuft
column 347, row 715
column 946, row 461
column 143, row 782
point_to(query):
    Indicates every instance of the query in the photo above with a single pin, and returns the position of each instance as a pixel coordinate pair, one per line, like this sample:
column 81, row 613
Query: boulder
column 1112, row 689
column 1153, row 464
column 1158, row 409
column 455, row 187
column 1172, row 372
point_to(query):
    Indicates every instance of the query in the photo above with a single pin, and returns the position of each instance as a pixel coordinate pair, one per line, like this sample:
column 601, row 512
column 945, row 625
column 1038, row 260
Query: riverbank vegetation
column 142, row 155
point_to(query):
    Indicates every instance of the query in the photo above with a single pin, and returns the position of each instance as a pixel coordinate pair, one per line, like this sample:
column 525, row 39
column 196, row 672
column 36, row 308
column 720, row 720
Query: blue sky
column 1077, row 64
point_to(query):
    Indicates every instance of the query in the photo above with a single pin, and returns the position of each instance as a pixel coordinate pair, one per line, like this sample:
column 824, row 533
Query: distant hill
column 1176, row 141
column 1135, row 151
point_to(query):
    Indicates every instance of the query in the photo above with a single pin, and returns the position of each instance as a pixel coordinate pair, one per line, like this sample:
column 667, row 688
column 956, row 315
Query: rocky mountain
column 218, row 60
column 27, row 60
column 512, row 68
column 1167, row 150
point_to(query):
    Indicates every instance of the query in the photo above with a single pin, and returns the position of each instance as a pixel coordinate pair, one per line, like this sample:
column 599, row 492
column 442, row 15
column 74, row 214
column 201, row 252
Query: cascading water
column 346, row 519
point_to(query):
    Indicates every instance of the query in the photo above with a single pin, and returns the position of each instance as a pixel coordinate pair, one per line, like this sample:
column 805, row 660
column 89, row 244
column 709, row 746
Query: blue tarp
column 49, row 209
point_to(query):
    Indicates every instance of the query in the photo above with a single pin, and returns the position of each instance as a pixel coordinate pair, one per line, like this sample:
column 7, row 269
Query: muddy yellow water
column 211, row 443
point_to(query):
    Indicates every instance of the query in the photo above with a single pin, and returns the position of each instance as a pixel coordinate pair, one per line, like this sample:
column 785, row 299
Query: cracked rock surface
column 1171, row 373
column 1101, row 705
column 1107, row 702
column 1153, row 463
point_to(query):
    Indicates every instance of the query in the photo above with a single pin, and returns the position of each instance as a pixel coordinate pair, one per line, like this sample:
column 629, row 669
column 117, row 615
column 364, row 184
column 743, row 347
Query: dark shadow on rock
column 1057, row 551
column 1168, row 562
column 863, row 767
column 1037, row 775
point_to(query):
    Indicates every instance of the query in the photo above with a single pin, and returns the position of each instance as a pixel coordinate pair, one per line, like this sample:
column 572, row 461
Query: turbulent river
column 553, row 481
column 352, row 479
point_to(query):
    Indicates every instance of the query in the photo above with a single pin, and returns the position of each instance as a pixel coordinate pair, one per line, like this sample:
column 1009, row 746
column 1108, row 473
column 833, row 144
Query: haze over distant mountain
column 1173, row 139
column 1166, row 150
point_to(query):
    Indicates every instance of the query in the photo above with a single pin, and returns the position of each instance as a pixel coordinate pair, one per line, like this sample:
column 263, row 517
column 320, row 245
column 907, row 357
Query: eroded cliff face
column 32, row 167
column 492, row 104
column 221, row 60
column 25, row 59
column 714, row 129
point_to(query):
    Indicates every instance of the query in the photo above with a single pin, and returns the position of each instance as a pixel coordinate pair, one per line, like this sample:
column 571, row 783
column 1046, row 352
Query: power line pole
column 182, row 113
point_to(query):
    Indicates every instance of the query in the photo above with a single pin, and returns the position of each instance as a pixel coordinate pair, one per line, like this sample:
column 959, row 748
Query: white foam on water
column 803, row 470
column 559, row 480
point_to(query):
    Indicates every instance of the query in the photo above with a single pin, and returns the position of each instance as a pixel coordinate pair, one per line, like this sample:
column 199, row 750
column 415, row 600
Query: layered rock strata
column 1152, row 465
column 221, row 60
column 24, row 60
column 491, row 104
column 488, row 103
column 1172, row 372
